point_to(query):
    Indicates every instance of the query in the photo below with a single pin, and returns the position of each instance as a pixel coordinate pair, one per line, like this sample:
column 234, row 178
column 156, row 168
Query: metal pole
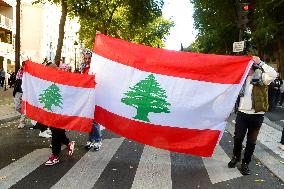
column 18, row 37
column 75, row 45
column 75, row 59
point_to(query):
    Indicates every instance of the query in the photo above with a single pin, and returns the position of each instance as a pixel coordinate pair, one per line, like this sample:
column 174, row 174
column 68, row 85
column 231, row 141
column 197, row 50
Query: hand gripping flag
column 172, row 100
column 58, row 98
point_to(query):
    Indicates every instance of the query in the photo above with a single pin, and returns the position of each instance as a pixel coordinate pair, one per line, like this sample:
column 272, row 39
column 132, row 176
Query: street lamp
column 50, row 50
column 75, row 45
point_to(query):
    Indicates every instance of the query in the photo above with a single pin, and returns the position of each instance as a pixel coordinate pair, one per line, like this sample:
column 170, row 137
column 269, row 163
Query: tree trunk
column 280, row 41
column 61, row 32
column 18, row 37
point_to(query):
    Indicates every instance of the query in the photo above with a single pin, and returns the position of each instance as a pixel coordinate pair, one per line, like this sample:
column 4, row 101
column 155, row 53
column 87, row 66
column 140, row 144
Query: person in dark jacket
column 274, row 93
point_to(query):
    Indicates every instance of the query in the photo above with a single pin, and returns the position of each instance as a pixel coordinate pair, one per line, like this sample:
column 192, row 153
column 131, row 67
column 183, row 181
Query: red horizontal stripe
column 57, row 120
column 202, row 67
column 189, row 141
column 59, row 76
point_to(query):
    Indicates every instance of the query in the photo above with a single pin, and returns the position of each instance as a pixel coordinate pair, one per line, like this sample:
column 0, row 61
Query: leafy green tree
column 216, row 23
column 268, row 29
column 51, row 97
column 153, row 34
column 138, row 21
column 147, row 96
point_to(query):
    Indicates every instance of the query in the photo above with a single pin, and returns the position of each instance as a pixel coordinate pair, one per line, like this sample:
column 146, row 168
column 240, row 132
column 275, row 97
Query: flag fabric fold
column 57, row 98
column 171, row 100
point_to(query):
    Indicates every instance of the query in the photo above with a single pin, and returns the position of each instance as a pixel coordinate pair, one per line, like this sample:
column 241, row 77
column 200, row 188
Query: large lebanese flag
column 172, row 100
column 58, row 98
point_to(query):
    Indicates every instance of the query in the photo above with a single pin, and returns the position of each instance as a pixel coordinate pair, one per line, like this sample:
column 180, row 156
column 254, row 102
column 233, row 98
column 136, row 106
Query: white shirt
column 268, row 75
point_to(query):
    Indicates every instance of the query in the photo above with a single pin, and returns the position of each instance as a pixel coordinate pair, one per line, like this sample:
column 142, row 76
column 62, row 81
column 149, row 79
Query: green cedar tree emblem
column 51, row 96
column 147, row 96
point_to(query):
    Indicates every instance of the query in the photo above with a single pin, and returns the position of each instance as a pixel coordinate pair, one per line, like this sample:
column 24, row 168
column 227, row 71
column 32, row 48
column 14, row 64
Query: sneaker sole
column 50, row 164
column 97, row 149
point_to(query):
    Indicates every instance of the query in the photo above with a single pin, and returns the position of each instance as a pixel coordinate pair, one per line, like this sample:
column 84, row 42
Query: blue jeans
column 95, row 134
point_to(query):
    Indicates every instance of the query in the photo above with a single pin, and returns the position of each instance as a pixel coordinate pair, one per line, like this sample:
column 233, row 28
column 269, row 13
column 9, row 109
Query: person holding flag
column 95, row 137
column 250, row 115
column 58, row 135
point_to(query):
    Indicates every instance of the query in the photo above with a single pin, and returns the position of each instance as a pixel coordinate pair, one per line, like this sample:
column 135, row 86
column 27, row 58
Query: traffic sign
column 238, row 46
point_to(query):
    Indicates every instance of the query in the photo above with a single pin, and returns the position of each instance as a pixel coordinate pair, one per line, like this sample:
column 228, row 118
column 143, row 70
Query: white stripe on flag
column 194, row 104
column 72, row 97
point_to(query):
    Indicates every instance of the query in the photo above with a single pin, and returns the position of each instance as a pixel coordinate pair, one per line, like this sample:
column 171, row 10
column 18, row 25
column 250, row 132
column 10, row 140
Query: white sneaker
column 97, row 146
column 48, row 131
column 44, row 134
column 89, row 145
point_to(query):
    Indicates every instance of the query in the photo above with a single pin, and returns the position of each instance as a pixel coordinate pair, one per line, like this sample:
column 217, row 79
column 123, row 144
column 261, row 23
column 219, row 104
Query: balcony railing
column 6, row 48
column 6, row 23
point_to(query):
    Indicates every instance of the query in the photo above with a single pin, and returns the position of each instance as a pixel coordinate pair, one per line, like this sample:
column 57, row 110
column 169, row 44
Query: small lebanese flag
column 58, row 98
column 172, row 100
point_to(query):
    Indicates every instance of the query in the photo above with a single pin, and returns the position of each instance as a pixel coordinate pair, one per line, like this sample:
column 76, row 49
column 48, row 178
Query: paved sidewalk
column 7, row 107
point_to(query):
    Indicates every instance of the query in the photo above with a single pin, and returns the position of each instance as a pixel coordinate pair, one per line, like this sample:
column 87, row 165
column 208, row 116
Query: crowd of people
column 7, row 79
column 261, row 92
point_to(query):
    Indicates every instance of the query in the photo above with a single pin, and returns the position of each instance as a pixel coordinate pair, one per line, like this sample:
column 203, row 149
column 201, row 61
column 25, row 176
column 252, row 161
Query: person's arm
column 269, row 74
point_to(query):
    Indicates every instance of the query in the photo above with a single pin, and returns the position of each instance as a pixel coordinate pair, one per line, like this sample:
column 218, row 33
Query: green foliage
column 152, row 34
column 138, row 21
column 217, row 25
column 268, row 21
column 147, row 96
column 216, row 22
column 51, row 97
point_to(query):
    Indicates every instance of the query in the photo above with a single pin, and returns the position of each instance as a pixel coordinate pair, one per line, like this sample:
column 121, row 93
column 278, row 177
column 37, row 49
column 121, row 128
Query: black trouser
column 2, row 81
column 272, row 99
column 250, row 124
column 281, row 98
column 40, row 126
column 58, row 137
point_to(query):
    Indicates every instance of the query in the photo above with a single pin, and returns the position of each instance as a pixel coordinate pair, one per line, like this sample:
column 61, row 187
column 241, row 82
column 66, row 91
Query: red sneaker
column 52, row 160
column 70, row 148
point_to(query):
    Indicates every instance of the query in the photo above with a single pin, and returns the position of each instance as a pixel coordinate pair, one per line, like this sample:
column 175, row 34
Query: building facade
column 39, row 33
column 7, row 31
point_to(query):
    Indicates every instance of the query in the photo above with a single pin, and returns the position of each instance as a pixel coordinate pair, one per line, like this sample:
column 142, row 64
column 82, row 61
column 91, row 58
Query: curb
column 272, row 124
column 9, row 118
